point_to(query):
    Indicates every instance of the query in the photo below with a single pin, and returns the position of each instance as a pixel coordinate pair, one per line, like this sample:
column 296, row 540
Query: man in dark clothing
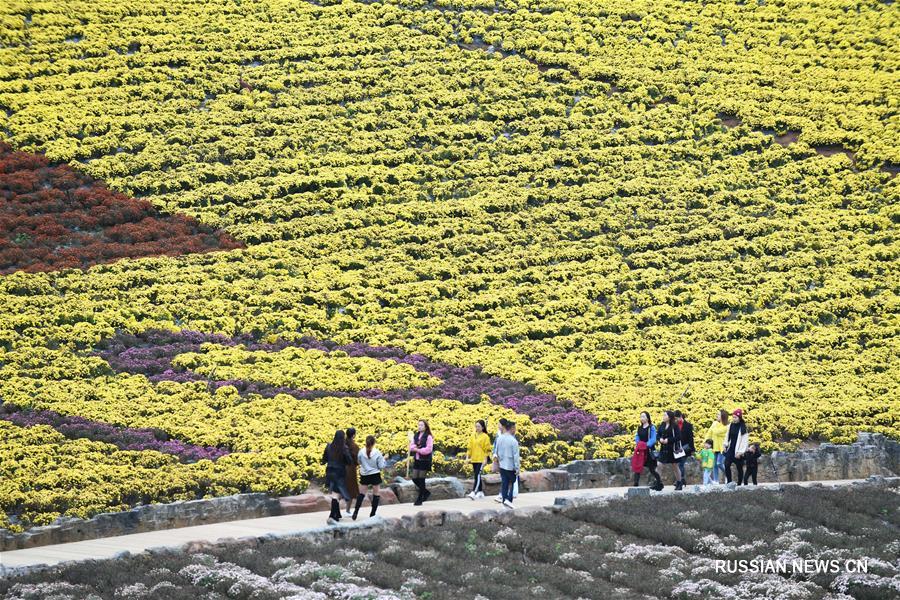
column 751, row 460
column 687, row 442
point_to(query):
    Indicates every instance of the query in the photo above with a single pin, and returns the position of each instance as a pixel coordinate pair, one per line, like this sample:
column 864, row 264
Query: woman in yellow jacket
column 716, row 433
column 478, row 454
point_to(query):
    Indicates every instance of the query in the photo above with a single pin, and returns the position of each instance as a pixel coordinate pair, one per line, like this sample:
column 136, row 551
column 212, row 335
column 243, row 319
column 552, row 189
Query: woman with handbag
column 736, row 442
column 421, row 449
column 646, row 435
column 670, row 450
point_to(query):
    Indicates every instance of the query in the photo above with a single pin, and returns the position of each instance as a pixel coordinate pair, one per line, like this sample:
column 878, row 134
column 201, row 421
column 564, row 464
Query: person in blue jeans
column 509, row 462
column 501, row 429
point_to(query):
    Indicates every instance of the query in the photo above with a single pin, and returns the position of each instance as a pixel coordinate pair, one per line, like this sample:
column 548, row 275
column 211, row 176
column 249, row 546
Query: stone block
column 429, row 518
column 545, row 480
column 454, row 516
column 530, row 511
column 491, row 484
column 635, row 492
column 441, row 488
column 484, row 515
column 304, row 503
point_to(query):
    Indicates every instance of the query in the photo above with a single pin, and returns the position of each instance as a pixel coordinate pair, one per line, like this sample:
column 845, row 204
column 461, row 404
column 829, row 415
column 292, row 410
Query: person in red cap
column 736, row 442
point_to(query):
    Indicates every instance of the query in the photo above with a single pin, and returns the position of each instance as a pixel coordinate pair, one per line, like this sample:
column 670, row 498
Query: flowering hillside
column 559, row 211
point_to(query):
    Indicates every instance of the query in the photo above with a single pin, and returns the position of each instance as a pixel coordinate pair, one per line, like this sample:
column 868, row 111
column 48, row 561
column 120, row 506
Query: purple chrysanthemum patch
column 151, row 353
column 124, row 438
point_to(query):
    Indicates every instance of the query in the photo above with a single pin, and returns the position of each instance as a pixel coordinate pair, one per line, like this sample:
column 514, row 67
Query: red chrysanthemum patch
column 53, row 217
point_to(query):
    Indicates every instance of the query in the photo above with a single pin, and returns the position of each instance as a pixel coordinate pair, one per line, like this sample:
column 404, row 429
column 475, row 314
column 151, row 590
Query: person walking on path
column 421, row 449
column 686, row 431
column 336, row 458
column 352, row 469
column 707, row 462
column 646, row 435
column 736, row 442
column 669, row 437
column 717, row 432
column 478, row 453
column 751, row 457
column 509, row 461
column 501, row 429
column 371, row 463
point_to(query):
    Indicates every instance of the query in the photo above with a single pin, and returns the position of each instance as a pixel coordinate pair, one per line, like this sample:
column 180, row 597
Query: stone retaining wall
column 151, row 517
column 871, row 455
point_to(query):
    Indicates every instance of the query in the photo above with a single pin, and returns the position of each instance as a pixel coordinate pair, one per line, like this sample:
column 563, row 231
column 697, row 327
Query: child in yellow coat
column 478, row 454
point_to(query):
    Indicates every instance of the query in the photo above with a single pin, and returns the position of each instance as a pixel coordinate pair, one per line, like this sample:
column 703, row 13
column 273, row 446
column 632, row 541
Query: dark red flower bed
column 53, row 217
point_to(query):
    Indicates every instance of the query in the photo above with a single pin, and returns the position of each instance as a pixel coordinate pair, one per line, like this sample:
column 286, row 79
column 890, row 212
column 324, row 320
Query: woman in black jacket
column 336, row 458
column 669, row 439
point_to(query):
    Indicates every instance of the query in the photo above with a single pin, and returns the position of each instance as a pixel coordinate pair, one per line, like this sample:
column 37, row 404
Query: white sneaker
column 508, row 504
column 331, row 521
column 479, row 495
column 498, row 499
column 470, row 495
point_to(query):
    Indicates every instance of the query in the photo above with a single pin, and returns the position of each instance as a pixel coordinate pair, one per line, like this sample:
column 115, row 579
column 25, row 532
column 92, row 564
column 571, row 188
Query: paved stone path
column 284, row 525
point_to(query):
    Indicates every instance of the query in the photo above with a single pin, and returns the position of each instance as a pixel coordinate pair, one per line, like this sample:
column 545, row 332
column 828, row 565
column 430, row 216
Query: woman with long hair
column 336, row 458
column 716, row 432
column 736, row 442
column 371, row 463
column 646, row 433
column 478, row 453
column 669, row 437
column 421, row 449
column 352, row 469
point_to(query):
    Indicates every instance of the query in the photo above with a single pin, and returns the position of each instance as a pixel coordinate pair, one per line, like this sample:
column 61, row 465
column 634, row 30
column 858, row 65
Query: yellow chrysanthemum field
column 229, row 228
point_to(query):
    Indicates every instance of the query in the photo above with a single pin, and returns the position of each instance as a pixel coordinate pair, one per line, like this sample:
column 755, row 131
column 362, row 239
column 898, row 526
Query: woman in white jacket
column 736, row 442
column 371, row 463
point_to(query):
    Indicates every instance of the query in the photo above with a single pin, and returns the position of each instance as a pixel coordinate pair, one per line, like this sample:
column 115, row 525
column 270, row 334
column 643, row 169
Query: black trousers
column 739, row 463
column 750, row 473
column 478, row 486
column 651, row 468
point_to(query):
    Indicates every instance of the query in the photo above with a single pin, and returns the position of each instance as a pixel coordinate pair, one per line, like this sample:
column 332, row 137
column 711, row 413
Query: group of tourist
column 348, row 467
column 340, row 455
column 672, row 443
